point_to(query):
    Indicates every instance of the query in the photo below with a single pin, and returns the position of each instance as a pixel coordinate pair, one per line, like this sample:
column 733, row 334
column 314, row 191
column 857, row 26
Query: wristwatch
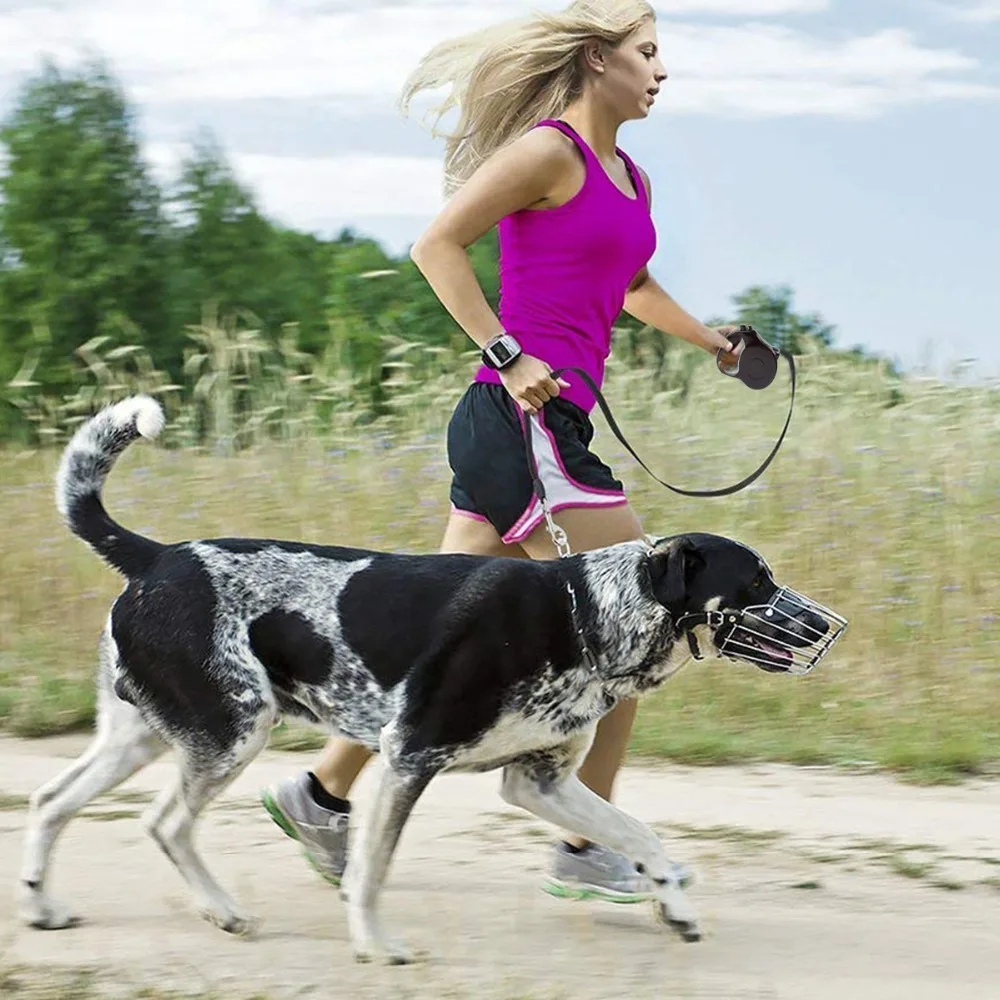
column 501, row 352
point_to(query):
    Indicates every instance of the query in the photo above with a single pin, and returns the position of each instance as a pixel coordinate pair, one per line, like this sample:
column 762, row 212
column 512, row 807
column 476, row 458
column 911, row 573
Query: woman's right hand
column 530, row 383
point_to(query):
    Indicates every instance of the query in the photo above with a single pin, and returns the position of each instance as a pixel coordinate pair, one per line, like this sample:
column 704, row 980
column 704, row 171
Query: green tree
column 82, row 247
column 300, row 268
column 769, row 311
column 223, row 244
column 378, row 302
column 229, row 257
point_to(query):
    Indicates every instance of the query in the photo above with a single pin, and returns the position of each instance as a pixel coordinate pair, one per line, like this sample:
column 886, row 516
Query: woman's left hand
column 718, row 340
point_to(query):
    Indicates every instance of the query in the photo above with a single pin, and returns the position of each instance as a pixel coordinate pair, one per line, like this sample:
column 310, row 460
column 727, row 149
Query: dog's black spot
column 392, row 612
column 163, row 626
column 32, row 884
column 290, row 649
column 507, row 625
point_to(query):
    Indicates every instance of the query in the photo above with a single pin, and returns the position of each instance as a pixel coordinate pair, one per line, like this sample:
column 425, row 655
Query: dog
column 440, row 663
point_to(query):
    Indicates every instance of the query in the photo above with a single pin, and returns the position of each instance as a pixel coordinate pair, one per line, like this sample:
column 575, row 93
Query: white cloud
column 339, row 186
column 663, row 7
column 307, row 192
column 224, row 50
column 987, row 12
column 819, row 98
column 767, row 52
column 769, row 70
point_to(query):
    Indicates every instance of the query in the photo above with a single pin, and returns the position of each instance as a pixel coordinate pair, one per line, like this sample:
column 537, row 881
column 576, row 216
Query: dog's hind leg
column 171, row 820
column 368, row 866
column 122, row 744
column 545, row 783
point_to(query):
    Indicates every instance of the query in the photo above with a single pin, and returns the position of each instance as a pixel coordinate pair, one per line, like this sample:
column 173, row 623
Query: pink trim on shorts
column 585, row 496
column 534, row 515
column 471, row 514
column 562, row 468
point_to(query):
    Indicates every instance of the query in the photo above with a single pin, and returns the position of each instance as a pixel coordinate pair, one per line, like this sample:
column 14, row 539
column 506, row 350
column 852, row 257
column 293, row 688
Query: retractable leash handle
column 756, row 368
column 757, row 364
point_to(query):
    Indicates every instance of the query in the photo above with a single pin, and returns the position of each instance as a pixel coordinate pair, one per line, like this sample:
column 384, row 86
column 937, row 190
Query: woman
column 535, row 154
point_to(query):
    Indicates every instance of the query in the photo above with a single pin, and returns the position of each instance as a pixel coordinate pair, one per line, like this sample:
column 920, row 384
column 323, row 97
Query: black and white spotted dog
column 440, row 662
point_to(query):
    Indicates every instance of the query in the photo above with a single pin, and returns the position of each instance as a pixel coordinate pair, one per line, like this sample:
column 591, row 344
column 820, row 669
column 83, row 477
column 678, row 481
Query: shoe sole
column 579, row 891
column 582, row 890
column 287, row 827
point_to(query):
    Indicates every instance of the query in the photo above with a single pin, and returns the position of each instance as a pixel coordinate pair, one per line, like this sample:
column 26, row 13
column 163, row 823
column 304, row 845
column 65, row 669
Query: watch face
column 501, row 352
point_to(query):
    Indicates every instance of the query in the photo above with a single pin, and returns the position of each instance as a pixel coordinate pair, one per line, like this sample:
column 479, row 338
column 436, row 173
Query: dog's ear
column 672, row 566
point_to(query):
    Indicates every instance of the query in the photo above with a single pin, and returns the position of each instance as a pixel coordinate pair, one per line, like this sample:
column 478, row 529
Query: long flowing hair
column 507, row 77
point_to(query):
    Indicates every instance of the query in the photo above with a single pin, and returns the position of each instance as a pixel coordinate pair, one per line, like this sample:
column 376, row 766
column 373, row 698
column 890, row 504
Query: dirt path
column 813, row 885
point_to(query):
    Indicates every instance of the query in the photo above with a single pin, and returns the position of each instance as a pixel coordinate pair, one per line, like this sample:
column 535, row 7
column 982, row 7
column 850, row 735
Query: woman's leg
column 581, row 870
column 595, row 528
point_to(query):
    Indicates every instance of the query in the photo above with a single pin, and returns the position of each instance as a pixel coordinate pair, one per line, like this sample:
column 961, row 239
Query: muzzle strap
column 776, row 625
column 688, row 623
column 693, row 645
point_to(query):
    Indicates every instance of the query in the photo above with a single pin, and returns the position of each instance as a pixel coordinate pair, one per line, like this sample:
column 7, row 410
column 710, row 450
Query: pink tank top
column 564, row 271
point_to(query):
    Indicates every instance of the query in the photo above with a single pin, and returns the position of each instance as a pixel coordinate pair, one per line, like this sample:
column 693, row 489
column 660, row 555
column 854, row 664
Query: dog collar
column 588, row 655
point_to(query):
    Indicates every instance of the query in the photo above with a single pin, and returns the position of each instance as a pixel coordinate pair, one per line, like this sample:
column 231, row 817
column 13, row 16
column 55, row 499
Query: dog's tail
column 85, row 465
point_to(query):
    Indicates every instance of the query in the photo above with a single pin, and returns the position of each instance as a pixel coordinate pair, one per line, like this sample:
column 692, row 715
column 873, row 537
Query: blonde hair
column 508, row 77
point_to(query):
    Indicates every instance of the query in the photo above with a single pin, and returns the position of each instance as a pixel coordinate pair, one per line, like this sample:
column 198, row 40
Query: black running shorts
column 487, row 456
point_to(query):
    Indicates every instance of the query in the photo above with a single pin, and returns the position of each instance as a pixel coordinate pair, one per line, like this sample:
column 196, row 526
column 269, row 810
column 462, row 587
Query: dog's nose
column 817, row 627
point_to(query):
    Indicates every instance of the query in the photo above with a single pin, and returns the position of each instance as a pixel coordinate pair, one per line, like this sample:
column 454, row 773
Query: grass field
column 890, row 514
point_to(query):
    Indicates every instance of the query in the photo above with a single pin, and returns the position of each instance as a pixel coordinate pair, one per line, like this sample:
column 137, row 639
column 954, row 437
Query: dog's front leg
column 367, row 868
column 560, row 797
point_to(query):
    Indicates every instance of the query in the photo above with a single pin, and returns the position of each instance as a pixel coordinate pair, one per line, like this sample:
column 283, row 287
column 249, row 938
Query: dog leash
column 539, row 487
column 764, row 366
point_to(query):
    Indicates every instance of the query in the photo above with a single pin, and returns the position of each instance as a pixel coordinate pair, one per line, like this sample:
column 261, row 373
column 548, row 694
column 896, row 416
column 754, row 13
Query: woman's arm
column 522, row 174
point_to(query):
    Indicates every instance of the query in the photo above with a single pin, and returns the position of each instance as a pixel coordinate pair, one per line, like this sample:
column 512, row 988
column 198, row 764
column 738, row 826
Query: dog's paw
column 233, row 922
column 44, row 914
column 673, row 909
column 397, row 953
column 389, row 953
column 687, row 930
column 55, row 920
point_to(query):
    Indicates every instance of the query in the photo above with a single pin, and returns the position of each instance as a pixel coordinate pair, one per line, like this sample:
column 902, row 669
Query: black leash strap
column 613, row 424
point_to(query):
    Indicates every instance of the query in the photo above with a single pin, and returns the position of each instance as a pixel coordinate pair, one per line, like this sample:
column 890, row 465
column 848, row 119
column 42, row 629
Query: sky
column 847, row 148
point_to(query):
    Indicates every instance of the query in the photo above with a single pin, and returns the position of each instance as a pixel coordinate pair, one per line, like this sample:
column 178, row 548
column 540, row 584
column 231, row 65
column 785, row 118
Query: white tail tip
column 144, row 411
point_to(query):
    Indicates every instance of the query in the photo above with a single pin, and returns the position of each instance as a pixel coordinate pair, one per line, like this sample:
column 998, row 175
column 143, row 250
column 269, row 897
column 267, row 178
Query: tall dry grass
column 887, row 513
